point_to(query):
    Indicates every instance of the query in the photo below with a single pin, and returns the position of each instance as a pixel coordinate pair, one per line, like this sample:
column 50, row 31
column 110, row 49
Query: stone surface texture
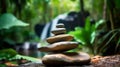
column 59, row 46
column 59, row 31
column 72, row 58
column 59, row 38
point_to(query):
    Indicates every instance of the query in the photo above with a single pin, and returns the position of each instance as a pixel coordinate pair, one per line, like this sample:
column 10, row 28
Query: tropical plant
column 86, row 35
column 107, row 44
column 11, row 56
column 7, row 21
column 110, row 41
column 7, row 54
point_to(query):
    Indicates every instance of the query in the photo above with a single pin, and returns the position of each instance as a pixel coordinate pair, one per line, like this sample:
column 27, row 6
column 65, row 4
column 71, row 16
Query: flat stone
column 59, row 46
column 58, row 38
column 60, row 25
column 58, row 31
column 71, row 58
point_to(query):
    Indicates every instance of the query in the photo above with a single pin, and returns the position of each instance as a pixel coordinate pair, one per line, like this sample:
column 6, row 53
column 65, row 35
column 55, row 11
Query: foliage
column 7, row 21
column 3, row 65
column 10, row 55
column 7, row 54
column 117, row 4
column 95, row 7
column 83, row 35
column 113, row 34
column 62, row 6
column 109, row 38
column 86, row 35
column 43, row 11
column 7, row 33
column 26, row 57
column 37, row 11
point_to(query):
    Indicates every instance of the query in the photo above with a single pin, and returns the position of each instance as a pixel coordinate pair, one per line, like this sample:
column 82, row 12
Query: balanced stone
column 60, row 25
column 59, row 46
column 58, row 31
column 58, row 38
column 60, row 43
column 69, row 58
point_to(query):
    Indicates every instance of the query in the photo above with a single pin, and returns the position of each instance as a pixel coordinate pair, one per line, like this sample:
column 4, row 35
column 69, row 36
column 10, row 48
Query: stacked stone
column 60, row 43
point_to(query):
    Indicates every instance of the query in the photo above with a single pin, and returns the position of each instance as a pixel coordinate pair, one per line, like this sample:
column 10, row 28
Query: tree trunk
column 3, row 6
column 82, row 9
column 114, row 14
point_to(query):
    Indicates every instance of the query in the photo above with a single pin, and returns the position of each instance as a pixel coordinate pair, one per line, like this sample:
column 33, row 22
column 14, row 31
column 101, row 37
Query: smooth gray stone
column 60, row 25
column 71, row 58
column 58, row 31
column 59, row 47
column 58, row 38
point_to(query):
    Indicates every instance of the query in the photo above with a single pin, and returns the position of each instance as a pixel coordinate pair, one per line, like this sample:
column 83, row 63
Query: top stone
column 60, row 25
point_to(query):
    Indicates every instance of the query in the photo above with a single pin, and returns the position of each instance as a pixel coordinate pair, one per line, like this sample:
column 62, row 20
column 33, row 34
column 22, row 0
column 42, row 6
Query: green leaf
column 7, row 53
column 7, row 21
column 99, row 23
column 107, row 43
column 118, row 44
column 117, row 3
column 93, row 35
column 3, row 65
column 87, row 24
column 27, row 58
column 85, row 34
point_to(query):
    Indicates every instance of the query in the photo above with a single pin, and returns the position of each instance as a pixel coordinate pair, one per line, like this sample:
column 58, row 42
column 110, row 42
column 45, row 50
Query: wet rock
column 60, row 25
column 58, row 31
column 59, row 46
column 58, row 38
column 71, row 58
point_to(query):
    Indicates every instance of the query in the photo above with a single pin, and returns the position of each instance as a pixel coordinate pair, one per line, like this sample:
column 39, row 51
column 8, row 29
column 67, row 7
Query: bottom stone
column 69, row 58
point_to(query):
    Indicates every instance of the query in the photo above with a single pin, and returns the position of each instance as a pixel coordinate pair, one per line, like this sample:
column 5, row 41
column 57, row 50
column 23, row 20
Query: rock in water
column 69, row 58
column 58, row 38
column 59, row 46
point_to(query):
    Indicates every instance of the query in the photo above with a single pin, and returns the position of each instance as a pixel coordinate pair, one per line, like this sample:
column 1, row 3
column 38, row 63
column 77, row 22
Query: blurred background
column 24, row 23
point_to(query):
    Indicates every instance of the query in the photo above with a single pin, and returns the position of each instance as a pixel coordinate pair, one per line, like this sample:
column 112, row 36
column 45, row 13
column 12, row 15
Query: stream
column 29, row 49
